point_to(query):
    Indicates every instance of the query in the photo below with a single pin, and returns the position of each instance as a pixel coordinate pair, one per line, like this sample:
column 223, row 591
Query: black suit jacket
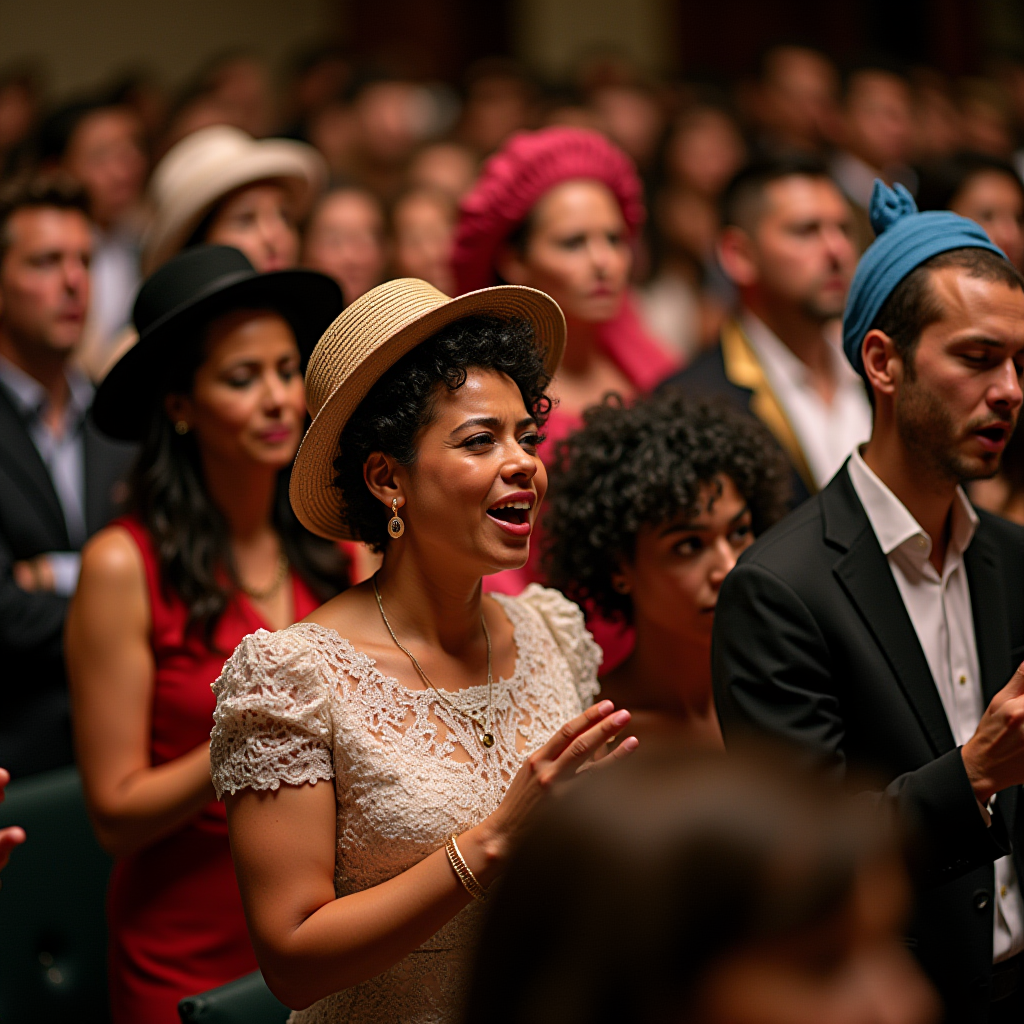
column 813, row 645
column 34, row 728
column 707, row 378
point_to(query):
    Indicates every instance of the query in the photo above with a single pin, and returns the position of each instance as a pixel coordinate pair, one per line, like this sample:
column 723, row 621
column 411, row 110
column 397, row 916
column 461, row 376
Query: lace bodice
column 303, row 705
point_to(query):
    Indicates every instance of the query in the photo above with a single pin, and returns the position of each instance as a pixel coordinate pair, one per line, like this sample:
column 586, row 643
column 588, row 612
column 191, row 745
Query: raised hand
column 572, row 749
column 9, row 837
column 994, row 755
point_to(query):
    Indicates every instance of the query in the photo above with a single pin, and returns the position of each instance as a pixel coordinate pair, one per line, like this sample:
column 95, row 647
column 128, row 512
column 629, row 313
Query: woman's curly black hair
column 644, row 465
column 402, row 403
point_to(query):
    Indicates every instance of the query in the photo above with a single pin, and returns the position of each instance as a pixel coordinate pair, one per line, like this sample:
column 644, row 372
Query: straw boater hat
column 209, row 164
column 365, row 341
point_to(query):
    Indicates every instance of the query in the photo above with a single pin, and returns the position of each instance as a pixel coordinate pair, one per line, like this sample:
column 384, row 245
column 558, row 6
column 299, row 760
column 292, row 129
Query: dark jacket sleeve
column 29, row 622
column 774, row 676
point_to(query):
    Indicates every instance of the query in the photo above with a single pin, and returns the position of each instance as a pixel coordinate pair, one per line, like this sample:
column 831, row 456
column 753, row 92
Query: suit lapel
column 988, row 604
column 743, row 369
column 992, row 637
column 864, row 574
column 22, row 461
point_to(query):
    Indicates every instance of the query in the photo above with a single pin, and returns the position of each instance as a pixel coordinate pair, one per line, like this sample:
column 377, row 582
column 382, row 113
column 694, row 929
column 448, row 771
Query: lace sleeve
column 566, row 624
column 272, row 723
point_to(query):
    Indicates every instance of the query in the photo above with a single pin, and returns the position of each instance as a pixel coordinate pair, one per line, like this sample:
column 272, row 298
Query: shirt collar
column 778, row 358
column 893, row 524
column 30, row 398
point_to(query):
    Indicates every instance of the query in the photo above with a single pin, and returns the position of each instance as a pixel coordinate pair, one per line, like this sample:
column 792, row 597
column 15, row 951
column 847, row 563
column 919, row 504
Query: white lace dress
column 303, row 705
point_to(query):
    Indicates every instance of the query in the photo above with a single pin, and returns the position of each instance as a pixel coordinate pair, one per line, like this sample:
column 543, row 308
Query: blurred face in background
column 423, row 223
column 445, row 166
column 105, row 154
column 19, row 107
column 44, row 282
column 386, row 121
column 632, row 118
column 705, row 151
column 996, row 202
column 799, row 97
column 258, row 219
column 496, row 106
column 879, row 119
column 346, row 240
column 797, row 252
column 576, row 249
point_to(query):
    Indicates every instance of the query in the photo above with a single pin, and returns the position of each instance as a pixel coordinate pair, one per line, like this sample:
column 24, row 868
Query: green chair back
column 245, row 1001
column 53, row 936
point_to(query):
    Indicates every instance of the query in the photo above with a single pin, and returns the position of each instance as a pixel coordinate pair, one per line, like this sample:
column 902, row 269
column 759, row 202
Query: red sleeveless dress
column 174, row 910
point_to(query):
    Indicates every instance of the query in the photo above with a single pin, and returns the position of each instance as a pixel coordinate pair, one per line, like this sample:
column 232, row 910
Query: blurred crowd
column 376, row 195
column 167, row 265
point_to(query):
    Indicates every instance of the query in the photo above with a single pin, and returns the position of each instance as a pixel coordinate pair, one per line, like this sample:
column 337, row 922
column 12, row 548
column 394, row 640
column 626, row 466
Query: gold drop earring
column 396, row 526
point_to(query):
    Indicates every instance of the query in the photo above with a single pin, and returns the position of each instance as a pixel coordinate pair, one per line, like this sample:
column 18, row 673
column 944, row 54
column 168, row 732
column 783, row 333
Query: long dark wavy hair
column 168, row 494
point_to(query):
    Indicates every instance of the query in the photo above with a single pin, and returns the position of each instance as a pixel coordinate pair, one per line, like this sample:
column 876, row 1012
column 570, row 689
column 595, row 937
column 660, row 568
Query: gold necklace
column 269, row 591
column 485, row 735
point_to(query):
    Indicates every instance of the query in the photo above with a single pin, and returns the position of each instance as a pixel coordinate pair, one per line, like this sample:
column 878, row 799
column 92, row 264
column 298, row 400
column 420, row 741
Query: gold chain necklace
column 269, row 591
column 485, row 735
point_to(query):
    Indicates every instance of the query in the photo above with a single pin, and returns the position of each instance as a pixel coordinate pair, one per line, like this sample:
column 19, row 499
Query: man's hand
column 9, row 837
column 994, row 755
column 35, row 574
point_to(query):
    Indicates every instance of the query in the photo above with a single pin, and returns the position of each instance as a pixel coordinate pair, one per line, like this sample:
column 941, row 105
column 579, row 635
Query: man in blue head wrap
column 879, row 624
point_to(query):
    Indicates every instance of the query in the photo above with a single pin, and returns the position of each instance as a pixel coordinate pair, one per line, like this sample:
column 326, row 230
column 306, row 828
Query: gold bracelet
column 462, row 870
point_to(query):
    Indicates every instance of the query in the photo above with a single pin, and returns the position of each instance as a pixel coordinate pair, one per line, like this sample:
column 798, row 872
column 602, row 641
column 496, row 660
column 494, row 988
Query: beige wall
column 82, row 43
column 553, row 34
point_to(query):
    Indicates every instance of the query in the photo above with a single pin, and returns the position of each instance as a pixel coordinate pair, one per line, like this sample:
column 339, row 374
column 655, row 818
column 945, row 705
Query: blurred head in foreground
column 706, row 889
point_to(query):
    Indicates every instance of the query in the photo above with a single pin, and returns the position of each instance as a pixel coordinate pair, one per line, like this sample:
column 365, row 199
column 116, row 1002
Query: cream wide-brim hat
column 204, row 167
column 365, row 341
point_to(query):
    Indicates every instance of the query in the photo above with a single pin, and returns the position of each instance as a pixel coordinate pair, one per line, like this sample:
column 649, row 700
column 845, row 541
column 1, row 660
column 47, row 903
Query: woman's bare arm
column 310, row 944
column 110, row 674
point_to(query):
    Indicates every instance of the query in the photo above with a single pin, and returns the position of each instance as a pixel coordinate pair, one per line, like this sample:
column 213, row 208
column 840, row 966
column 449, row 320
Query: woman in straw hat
column 220, row 186
column 379, row 758
column 209, row 552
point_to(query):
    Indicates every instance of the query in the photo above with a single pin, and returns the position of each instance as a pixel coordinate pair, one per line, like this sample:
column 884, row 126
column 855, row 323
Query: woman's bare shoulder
column 112, row 558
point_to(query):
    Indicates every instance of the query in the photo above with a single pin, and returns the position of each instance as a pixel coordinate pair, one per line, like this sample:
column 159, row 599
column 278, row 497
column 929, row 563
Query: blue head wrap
column 906, row 238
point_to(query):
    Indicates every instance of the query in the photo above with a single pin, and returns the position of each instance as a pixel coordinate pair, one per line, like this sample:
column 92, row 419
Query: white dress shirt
column 827, row 432
column 939, row 606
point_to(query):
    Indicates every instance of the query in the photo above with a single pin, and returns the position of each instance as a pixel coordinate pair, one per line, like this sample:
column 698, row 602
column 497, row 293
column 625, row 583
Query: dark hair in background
column 59, row 127
column 401, row 404
column 913, row 304
column 54, row 191
column 644, row 465
column 655, row 872
column 941, row 182
column 192, row 540
column 743, row 198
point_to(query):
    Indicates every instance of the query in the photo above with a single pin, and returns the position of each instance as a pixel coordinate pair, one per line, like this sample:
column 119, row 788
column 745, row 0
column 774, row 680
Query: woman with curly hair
column 650, row 506
column 379, row 758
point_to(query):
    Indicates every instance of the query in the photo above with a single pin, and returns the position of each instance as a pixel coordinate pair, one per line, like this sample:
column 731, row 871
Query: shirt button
column 922, row 543
column 963, row 680
column 1002, row 892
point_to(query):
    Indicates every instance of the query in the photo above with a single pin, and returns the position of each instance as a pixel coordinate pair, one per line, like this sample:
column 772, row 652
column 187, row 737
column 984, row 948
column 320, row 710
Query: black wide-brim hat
column 181, row 298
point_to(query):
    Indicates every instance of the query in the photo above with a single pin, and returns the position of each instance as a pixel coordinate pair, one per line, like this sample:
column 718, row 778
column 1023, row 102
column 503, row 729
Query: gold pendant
column 487, row 740
column 396, row 527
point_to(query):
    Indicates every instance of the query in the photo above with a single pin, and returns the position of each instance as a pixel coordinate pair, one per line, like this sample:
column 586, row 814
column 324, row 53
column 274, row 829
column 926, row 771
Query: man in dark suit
column 786, row 244
column 879, row 626
column 60, row 480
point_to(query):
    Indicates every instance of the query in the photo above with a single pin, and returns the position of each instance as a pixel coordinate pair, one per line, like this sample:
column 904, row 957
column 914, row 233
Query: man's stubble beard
column 930, row 435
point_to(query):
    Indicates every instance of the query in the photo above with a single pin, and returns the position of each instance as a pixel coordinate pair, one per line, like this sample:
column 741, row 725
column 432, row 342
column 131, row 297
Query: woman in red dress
column 559, row 210
column 209, row 553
